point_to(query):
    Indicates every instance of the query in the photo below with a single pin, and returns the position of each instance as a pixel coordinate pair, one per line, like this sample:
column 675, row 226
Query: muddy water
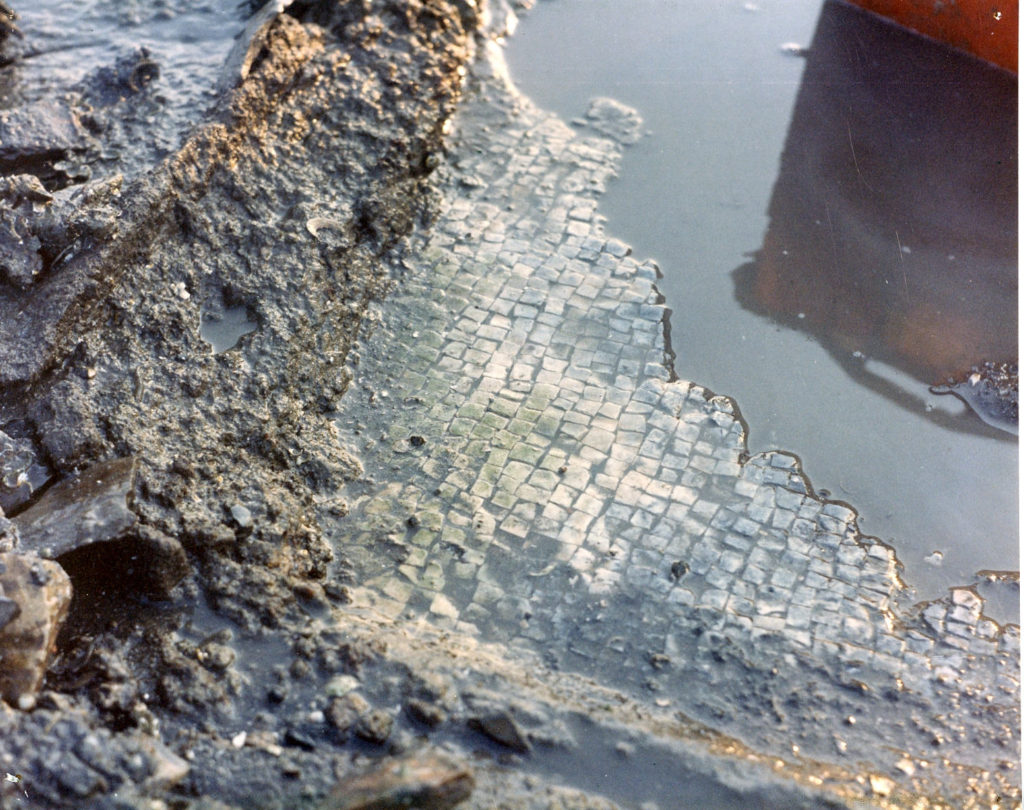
column 717, row 84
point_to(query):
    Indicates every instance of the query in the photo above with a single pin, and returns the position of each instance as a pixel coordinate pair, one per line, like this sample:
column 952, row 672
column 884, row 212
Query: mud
column 103, row 357
column 245, row 629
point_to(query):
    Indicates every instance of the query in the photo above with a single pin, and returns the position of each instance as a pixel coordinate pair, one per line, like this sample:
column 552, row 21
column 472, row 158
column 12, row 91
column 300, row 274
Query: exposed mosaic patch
column 536, row 476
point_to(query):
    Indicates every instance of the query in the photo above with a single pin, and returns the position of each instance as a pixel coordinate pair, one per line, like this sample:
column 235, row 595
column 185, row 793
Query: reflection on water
column 717, row 93
column 893, row 221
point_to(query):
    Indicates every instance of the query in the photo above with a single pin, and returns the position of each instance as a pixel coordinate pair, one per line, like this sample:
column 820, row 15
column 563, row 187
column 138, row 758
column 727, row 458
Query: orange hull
column 985, row 28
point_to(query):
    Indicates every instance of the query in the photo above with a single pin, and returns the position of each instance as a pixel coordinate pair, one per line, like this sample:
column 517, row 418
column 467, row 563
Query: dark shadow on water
column 893, row 221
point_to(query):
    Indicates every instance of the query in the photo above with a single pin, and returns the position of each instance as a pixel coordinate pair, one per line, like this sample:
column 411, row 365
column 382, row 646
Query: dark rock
column 22, row 251
column 423, row 780
column 9, row 611
column 41, row 591
column 374, row 727
column 297, row 739
column 20, row 471
column 91, row 510
column 502, row 729
column 20, row 261
column 37, row 137
column 429, row 714
column 157, row 559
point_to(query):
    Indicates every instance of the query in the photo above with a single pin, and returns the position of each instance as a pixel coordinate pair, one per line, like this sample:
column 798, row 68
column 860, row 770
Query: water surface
column 717, row 89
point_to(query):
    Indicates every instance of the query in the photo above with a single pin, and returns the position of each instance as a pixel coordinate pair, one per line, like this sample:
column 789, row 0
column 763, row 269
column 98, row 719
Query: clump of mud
column 177, row 486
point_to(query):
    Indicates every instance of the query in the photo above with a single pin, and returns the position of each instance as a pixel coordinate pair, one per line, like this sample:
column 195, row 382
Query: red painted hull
column 985, row 28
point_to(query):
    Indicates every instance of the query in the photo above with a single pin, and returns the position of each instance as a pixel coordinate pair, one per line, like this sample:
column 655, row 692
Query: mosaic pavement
column 535, row 476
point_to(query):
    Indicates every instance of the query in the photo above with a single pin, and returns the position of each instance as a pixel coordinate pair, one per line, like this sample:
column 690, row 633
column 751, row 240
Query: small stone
column 429, row 714
column 265, row 741
column 659, row 661
column 341, row 685
column 679, row 569
column 344, row 712
column 374, row 727
column 217, row 657
column 501, row 728
column 425, row 780
column 296, row 739
column 242, row 516
column 881, row 786
column 27, row 639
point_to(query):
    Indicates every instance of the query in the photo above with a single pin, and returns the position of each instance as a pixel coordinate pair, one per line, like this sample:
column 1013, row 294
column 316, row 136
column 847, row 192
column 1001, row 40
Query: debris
column 501, row 728
column 92, row 510
column 423, row 780
column 40, row 593
column 35, row 138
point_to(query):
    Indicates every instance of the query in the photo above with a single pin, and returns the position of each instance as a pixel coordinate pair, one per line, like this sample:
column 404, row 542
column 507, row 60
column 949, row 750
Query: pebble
column 423, row 779
column 40, row 592
column 502, row 729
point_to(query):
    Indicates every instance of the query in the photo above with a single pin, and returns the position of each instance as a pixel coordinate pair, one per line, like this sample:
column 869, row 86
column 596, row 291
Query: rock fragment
column 502, row 729
column 93, row 509
column 20, row 471
column 78, row 511
column 40, row 593
column 35, row 138
column 424, row 780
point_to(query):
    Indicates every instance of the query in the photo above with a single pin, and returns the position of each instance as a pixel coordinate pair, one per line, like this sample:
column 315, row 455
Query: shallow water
column 717, row 91
column 223, row 329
